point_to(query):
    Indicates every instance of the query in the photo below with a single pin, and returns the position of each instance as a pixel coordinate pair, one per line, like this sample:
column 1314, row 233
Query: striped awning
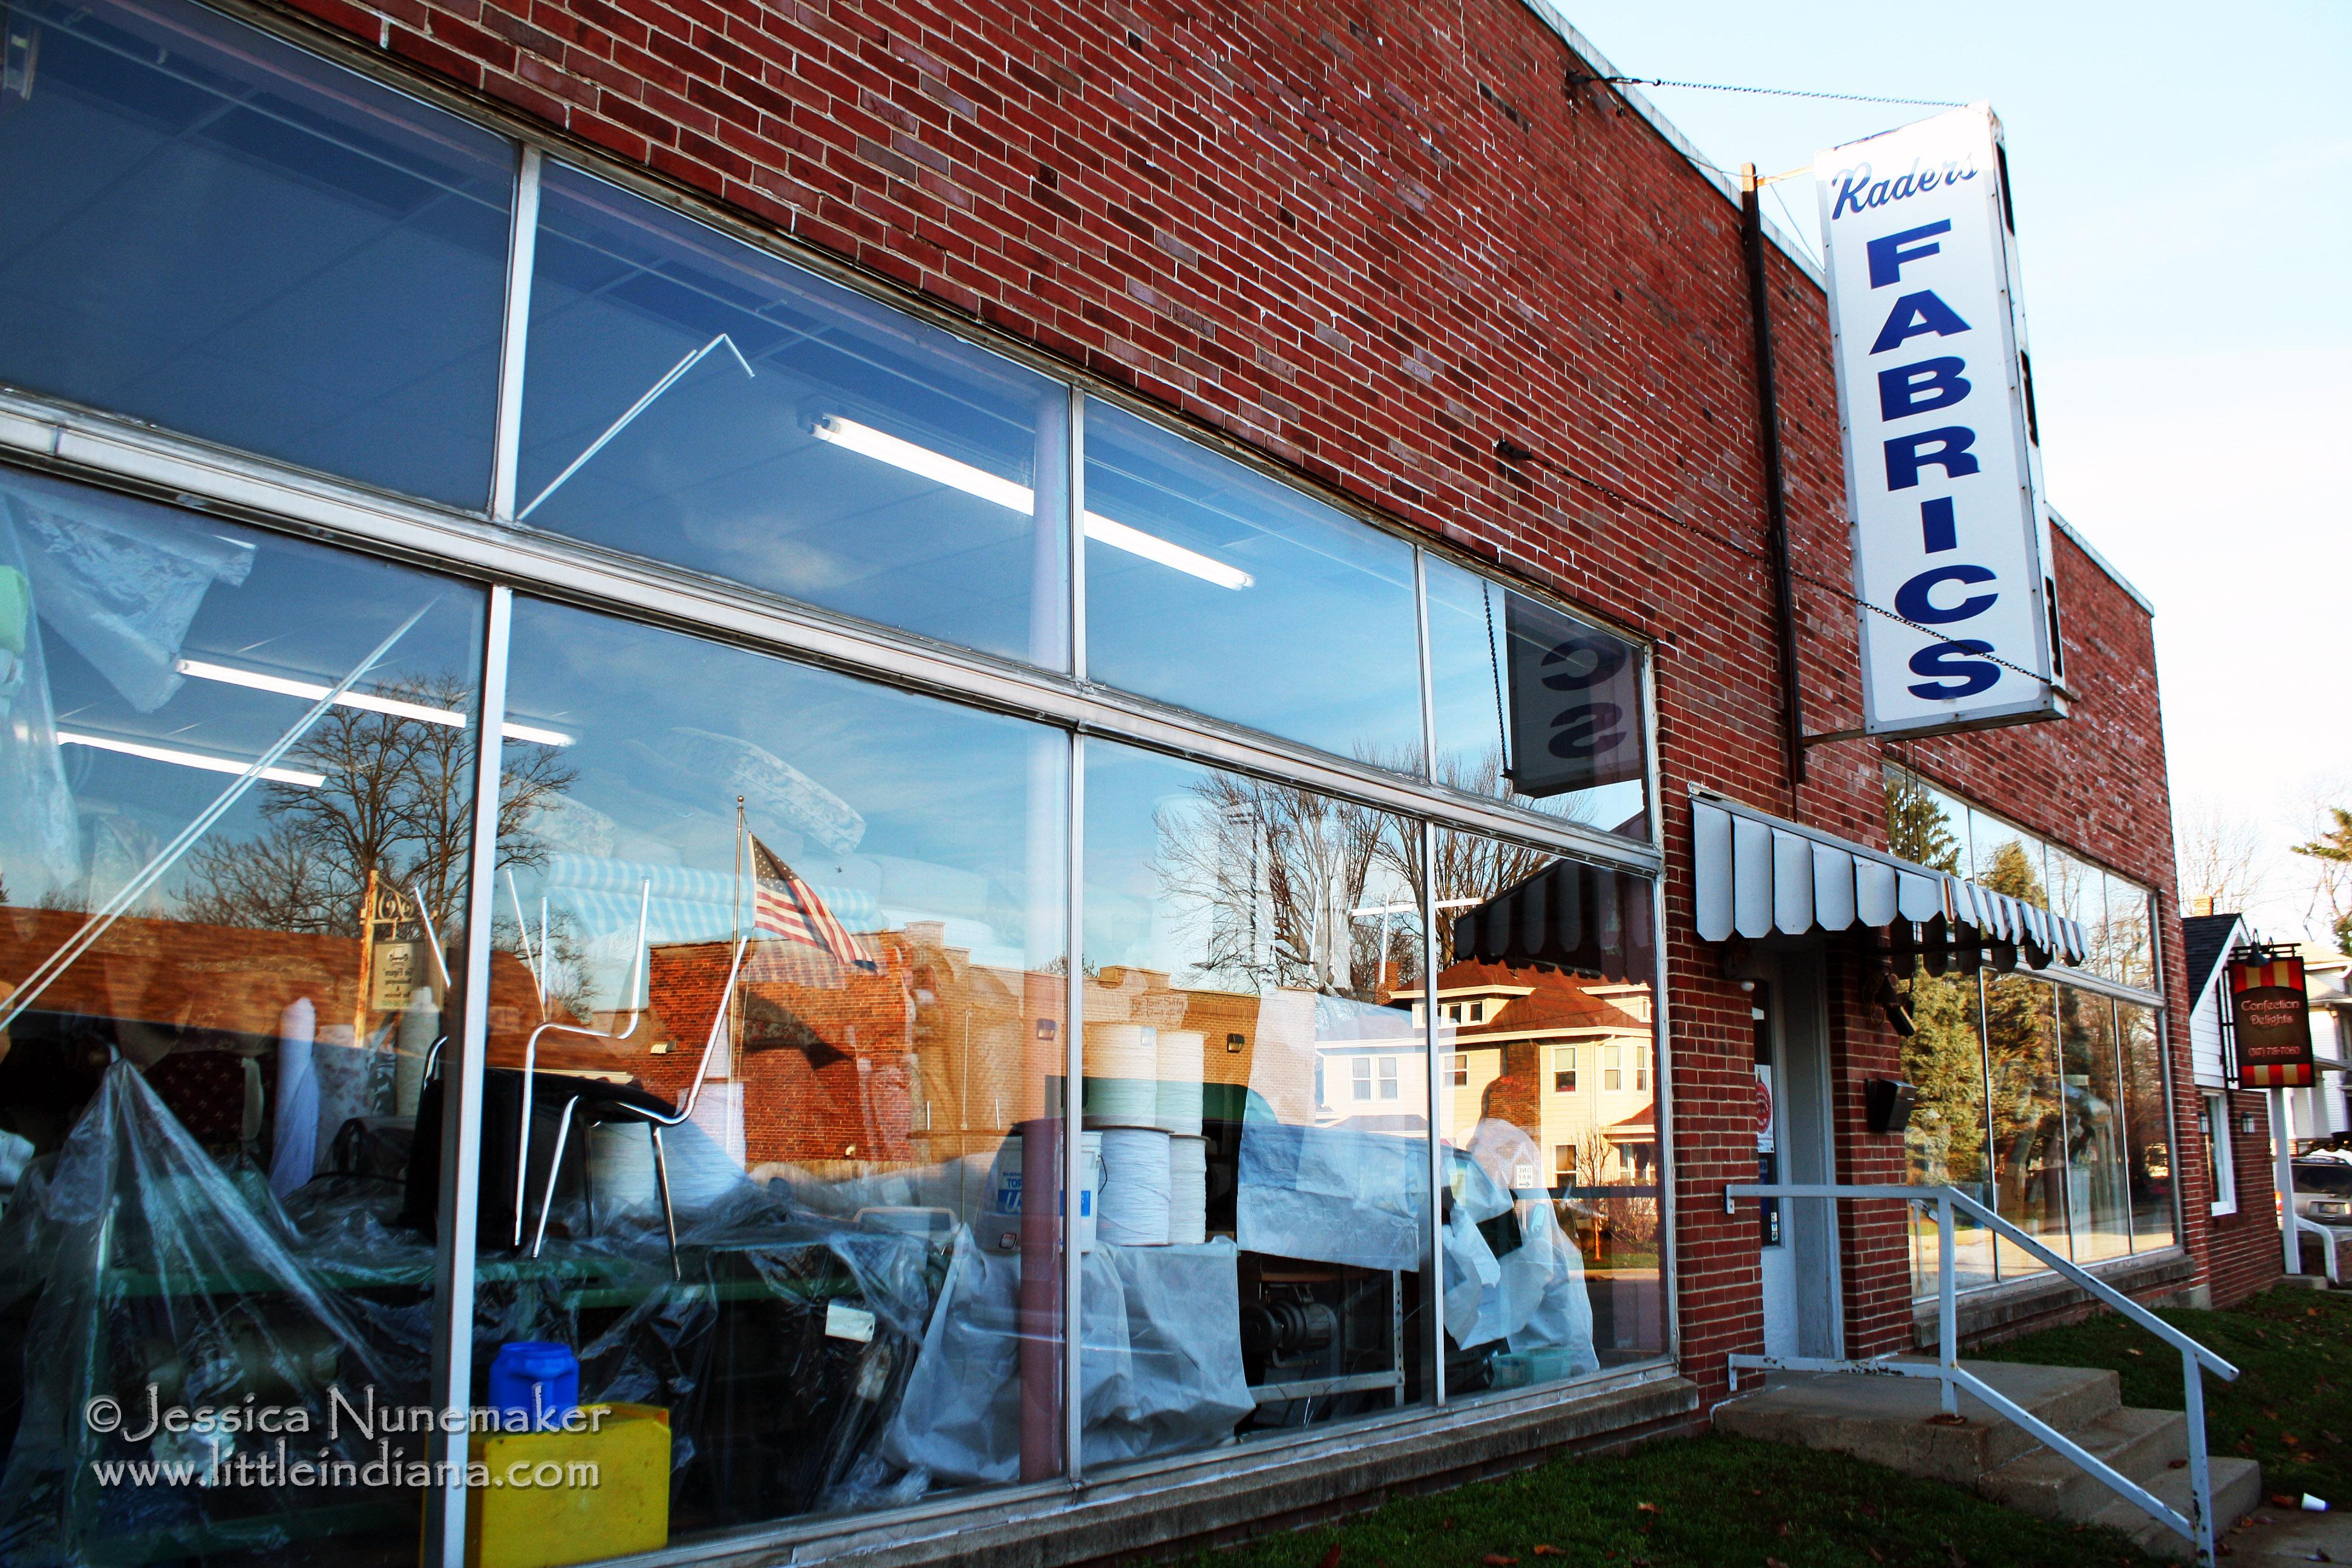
column 1758, row 875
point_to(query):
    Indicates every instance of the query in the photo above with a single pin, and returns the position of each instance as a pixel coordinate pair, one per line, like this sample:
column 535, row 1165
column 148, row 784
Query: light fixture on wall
column 940, row 468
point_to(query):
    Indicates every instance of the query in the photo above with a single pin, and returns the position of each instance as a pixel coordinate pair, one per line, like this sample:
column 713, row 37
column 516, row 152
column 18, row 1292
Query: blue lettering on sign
column 1889, row 252
column 1580, row 736
column 1914, row 314
column 1912, row 604
column 1579, row 662
column 1960, row 676
column 1938, row 533
column 1946, row 448
column 1857, row 192
column 1932, row 384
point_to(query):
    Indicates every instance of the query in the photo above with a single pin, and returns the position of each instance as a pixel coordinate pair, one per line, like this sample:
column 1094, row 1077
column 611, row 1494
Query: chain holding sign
column 1943, row 456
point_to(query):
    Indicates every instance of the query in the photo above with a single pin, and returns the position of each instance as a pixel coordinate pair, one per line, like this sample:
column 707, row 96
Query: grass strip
column 2291, row 1407
column 1696, row 1502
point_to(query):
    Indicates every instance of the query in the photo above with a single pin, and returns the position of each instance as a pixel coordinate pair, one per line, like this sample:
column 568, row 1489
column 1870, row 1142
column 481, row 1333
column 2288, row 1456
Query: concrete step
column 2140, row 1444
column 2237, row 1488
column 1891, row 1420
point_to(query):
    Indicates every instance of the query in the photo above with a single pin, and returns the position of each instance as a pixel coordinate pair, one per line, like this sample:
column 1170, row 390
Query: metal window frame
column 484, row 546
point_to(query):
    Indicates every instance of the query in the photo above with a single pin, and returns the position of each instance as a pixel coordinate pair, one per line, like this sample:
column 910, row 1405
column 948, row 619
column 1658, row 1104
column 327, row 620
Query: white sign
column 1942, row 459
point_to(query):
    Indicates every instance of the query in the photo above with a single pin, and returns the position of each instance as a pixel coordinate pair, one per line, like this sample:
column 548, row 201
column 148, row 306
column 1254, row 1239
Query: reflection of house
column 1564, row 1057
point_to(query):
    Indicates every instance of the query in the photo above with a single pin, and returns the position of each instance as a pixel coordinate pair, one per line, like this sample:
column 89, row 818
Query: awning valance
column 1758, row 875
column 1572, row 916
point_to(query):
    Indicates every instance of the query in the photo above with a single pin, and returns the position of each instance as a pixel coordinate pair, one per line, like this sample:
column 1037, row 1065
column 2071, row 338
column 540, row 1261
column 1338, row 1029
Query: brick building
column 1368, row 307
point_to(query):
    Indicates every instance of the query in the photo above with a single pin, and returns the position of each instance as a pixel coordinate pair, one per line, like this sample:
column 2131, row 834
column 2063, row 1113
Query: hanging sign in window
column 1943, row 460
column 2271, row 1017
column 1576, row 702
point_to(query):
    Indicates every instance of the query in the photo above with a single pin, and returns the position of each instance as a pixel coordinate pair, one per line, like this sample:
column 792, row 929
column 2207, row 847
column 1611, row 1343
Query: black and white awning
column 1758, row 875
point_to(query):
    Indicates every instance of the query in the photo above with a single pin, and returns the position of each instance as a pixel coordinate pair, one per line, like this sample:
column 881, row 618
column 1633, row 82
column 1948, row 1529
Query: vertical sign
column 1942, row 457
column 2270, row 1016
column 1576, row 702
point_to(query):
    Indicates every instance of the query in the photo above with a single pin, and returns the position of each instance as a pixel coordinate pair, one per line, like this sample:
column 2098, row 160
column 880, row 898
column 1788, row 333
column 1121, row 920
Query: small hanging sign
column 2270, row 1014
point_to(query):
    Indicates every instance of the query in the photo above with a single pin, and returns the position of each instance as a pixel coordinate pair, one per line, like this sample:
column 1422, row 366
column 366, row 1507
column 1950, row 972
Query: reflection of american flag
column 783, row 905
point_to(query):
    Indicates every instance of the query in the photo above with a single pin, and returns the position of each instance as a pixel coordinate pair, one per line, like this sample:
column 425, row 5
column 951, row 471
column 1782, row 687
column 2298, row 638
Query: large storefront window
column 1553, row 1203
column 236, row 812
column 757, row 1091
column 1535, row 707
column 797, row 1036
column 695, row 400
column 210, row 231
column 2068, row 1075
column 1257, row 1104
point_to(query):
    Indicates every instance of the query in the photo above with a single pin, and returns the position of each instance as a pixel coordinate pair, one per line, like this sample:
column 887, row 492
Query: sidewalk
column 2276, row 1535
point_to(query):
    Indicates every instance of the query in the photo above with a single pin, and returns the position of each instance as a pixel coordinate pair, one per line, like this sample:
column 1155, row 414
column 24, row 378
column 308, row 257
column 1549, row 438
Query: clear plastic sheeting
column 1161, row 1364
column 1333, row 1194
column 1530, row 1290
column 150, row 1267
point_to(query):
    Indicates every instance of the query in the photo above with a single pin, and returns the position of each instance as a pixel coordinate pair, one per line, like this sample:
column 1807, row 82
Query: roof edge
column 1725, row 183
column 2101, row 561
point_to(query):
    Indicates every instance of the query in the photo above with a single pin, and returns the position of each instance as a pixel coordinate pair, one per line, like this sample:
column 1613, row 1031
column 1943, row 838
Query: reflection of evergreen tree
column 1943, row 1060
column 2025, row 1105
column 2013, row 872
column 1916, row 827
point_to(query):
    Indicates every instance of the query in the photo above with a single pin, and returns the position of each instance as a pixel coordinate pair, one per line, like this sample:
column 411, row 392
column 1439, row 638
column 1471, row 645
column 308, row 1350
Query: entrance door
column 1798, row 1238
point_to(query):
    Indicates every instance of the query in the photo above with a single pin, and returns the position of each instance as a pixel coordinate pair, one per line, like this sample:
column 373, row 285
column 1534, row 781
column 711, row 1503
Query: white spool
column 1135, row 1187
column 1187, row 1191
column 1183, row 1063
column 1122, row 1063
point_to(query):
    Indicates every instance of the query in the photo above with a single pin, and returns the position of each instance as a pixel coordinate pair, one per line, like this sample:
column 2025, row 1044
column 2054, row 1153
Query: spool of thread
column 1122, row 1063
column 1182, row 1064
column 1187, row 1191
column 1135, row 1187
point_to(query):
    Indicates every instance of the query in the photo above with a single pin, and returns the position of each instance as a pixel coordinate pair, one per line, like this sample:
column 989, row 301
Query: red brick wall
column 2243, row 1249
column 1367, row 240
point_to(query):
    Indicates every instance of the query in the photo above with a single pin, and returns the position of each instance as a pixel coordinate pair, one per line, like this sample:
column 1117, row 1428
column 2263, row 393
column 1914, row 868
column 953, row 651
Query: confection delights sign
column 2270, row 1016
column 1958, row 621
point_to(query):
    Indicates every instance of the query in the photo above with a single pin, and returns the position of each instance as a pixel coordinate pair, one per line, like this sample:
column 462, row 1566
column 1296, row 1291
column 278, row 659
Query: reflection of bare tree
column 1470, row 870
column 1277, row 872
column 396, row 801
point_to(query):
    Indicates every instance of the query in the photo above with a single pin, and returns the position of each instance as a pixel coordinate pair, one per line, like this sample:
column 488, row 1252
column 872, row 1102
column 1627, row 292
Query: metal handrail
column 2195, row 1358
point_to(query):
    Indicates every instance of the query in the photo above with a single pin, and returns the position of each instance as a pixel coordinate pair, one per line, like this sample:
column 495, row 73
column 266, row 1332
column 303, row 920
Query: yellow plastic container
column 556, row 1498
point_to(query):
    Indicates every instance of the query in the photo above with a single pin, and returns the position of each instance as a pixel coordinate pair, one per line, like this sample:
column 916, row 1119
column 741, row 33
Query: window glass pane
column 1534, row 706
column 2007, row 859
column 1215, row 588
column 2078, row 892
column 2128, row 934
column 2029, row 1116
column 1923, row 825
column 1548, row 1274
column 845, row 1021
column 2147, row 1128
column 2096, row 1192
column 212, row 231
column 690, row 398
column 1944, row 1060
column 1258, row 1264
column 232, row 1071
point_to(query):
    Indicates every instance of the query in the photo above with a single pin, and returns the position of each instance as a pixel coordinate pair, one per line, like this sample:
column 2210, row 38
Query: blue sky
column 2183, row 182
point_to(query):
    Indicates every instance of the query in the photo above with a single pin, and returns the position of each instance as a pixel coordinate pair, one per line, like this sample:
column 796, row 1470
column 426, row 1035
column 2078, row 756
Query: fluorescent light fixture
column 940, row 468
column 189, row 759
column 254, row 679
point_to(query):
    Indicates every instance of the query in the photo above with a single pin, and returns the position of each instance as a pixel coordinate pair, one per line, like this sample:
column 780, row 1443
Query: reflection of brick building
column 925, row 1058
